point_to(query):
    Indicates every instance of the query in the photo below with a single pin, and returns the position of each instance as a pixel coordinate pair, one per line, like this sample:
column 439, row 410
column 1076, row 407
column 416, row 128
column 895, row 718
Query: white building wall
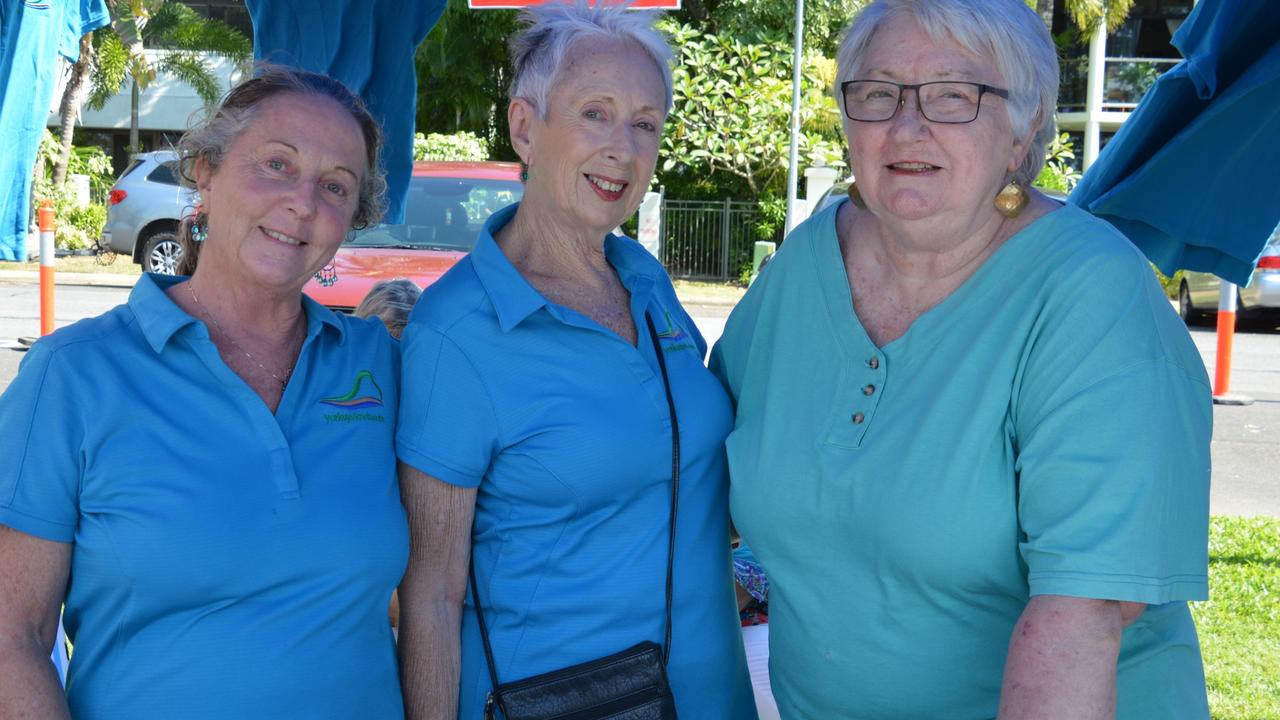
column 166, row 104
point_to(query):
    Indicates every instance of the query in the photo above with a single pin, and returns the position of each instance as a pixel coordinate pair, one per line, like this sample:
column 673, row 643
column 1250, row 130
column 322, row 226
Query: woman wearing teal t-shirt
column 972, row 438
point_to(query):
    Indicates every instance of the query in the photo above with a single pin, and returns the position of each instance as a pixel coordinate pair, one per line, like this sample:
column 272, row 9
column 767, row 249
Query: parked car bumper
column 1263, row 292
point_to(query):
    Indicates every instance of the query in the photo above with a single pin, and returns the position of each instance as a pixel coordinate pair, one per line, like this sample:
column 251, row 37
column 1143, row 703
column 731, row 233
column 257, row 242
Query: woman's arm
column 1062, row 658
column 432, row 593
column 35, row 579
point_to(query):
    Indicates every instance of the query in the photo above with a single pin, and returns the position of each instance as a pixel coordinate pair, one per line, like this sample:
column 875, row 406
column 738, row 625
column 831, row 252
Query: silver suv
column 144, row 209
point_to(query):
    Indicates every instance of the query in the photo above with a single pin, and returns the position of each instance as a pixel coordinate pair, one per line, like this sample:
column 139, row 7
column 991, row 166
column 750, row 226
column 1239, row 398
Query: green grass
column 1240, row 624
column 123, row 265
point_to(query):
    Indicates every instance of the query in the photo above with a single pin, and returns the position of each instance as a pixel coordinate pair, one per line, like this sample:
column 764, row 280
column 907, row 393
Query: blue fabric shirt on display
column 564, row 429
column 369, row 46
column 32, row 36
column 227, row 562
column 1044, row 430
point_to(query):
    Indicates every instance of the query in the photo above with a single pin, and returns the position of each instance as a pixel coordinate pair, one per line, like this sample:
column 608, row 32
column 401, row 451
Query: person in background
column 535, row 435
column 972, row 438
column 205, row 476
column 390, row 301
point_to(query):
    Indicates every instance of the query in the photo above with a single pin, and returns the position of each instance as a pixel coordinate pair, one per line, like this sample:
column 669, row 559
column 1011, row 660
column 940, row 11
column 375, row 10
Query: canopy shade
column 1189, row 178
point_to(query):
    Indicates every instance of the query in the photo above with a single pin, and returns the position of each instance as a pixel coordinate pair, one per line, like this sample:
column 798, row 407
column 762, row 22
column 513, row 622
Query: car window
column 164, row 173
column 443, row 213
column 133, row 165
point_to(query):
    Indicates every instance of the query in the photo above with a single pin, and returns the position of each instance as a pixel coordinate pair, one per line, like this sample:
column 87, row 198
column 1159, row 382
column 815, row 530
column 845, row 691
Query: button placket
column 859, row 416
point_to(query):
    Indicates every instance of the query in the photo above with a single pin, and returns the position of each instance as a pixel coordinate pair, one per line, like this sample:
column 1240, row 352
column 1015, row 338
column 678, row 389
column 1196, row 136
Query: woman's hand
column 1062, row 658
column 35, row 578
column 432, row 592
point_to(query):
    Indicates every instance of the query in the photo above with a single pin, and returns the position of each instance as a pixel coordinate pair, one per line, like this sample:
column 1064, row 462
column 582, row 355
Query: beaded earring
column 327, row 276
column 199, row 225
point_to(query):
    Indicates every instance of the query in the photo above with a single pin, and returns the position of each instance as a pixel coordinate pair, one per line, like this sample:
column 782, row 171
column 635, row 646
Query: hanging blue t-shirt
column 33, row 33
column 369, row 46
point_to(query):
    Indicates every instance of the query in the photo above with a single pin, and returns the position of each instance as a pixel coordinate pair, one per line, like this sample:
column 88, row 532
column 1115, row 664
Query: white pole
column 1093, row 99
column 794, row 163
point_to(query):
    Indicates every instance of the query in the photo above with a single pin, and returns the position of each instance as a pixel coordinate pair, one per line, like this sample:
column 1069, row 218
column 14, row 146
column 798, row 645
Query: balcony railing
column 1127, row 80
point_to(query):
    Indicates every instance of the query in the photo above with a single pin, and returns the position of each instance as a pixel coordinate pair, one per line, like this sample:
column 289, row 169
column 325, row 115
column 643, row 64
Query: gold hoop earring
column 1011, row 200
column 855, row 196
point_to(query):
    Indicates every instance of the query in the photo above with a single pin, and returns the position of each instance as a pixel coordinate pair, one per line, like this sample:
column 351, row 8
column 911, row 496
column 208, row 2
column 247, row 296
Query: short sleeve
column 447, row 427
column 728, row 359
column 1113, row 425
column 40, row 438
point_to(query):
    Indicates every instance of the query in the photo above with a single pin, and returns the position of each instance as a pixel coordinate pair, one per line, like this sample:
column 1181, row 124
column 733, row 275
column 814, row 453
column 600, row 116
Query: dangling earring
column 524, row 172
column 327, row 276
column 199, row 230
column 855, row 196
column 1011, row 200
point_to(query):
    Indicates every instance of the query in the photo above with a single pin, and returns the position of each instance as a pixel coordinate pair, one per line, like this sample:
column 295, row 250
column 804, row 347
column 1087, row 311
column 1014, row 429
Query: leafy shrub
column 457, row 146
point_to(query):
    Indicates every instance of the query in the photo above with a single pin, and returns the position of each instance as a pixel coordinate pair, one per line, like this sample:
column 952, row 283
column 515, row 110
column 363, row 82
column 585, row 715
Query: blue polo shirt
column 227, row 562
column 1044, row 430
column 564, row 429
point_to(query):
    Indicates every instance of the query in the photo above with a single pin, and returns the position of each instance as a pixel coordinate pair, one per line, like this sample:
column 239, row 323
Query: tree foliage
column 455, row 146
column 729, row 132
column 164, row 25
column 172, row 26
column 764, row 21
column 463, row 75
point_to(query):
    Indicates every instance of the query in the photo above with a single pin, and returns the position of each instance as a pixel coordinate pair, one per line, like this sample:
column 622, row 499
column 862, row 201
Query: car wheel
column 1188, row 311
column 162, row 253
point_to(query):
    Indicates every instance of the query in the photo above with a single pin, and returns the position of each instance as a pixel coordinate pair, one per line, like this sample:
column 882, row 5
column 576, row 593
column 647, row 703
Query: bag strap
column 675, row 478
column 671, row 544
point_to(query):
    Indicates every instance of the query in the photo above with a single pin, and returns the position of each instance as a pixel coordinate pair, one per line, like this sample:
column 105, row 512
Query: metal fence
column 709, row 240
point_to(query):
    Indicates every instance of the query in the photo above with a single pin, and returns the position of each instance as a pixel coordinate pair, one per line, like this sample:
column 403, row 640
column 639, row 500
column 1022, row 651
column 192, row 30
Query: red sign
column 509, row 4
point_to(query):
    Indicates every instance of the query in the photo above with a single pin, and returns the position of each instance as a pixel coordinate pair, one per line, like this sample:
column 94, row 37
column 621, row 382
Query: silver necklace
column 284, row 382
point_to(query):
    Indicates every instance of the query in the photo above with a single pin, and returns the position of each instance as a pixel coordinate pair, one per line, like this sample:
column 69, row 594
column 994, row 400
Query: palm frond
column 178, row 27
column 1088, row 14
column 191, row 69
column 111, row 68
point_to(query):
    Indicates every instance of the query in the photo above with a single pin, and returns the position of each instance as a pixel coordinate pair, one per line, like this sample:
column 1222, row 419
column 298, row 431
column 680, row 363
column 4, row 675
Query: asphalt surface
column 1246, row 442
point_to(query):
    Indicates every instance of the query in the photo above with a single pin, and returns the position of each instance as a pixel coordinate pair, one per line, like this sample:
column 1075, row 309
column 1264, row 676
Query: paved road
column 1246, row 444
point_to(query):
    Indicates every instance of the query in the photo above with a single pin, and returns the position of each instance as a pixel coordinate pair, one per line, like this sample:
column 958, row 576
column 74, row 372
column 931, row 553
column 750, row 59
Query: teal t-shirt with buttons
column 227, row 561
column 1043, row 430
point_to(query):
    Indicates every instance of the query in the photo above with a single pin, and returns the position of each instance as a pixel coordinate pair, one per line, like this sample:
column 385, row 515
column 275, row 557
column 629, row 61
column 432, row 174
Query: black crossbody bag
column 629, row 685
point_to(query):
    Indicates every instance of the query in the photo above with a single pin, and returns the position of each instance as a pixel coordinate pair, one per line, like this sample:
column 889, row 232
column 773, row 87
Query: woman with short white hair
column 555, row 405
column 972, row 438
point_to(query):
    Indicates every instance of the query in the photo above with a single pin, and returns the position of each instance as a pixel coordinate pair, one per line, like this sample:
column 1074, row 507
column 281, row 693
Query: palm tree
column 158, row 24
column 69, row 108
column 1086, row 14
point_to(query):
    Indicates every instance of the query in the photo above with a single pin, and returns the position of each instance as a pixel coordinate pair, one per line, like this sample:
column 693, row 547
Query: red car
column 448, row 202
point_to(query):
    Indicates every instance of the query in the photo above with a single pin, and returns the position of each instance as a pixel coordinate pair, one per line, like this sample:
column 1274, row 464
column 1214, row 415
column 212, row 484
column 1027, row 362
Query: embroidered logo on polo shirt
column 365, row 394
column 674, row 338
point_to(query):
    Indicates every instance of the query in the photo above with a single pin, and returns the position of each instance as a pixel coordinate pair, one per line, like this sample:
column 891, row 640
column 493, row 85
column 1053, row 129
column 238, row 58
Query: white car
column 143, row 212
column 1198, row 292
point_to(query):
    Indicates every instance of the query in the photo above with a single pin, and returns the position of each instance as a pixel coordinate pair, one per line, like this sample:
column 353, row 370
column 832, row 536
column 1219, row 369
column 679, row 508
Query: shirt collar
column 160, row 318
column 514, row 299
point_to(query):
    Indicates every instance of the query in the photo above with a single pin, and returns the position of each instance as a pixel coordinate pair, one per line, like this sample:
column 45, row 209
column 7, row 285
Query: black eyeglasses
column 940, row 102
